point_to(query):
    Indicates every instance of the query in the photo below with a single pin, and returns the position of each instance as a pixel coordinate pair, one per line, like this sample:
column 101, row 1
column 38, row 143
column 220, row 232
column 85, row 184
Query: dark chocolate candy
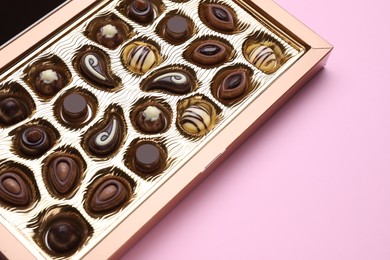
column 177, row 29
column 63, row 175
column 109, row 196
column 14, row 190
column 141, row 11
column 12, row 111
column 94, row 66
column 106, row 140
column 219, row 17
column 210, row 53
column 152, row 120
column 110, row 35
column 74, row 108
column 63, row 236
column 49, row 82
column 234, row 85
column 35, row 141
column 172, row 81
column 148, row 158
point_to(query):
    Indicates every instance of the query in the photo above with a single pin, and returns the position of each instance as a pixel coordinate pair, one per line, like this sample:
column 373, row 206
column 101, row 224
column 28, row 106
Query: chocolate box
column 111, row 111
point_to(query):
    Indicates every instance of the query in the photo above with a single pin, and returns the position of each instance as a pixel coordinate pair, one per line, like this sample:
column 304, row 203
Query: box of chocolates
column 111, row 111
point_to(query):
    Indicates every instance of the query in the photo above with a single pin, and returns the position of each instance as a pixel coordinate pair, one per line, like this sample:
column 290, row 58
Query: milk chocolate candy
column 219, row 17
column 63, row 175
column 234, row 85
column 12, row 111
column 15, row 191
column 35, row 141
column 141, row 11
column 210, row 53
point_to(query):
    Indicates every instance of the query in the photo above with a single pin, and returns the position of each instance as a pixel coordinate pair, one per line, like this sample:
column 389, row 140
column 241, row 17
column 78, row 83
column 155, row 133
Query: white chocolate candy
column 109, row 31
column 152, row 113
column 48, row 76
column 141, row 59
column 264, row 58
column 196, row 119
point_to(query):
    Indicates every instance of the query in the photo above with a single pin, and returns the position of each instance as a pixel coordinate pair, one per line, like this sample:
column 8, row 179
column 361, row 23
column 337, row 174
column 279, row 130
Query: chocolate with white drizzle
column 140, row 58
column 264, row 58
column 219, row 17
column 108, row 139
column 93, row 65
column 196, row 119
column 176, row 81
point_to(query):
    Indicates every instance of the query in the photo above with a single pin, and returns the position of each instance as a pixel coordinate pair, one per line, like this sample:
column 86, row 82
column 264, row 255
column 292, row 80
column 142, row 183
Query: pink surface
column 314, row 182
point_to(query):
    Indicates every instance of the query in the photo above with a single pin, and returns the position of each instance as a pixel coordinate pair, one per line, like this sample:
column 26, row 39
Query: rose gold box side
column 11, row 247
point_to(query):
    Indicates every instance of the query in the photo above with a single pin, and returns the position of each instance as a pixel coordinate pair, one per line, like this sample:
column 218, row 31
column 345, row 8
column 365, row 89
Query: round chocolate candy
column 74, row 108
column 15, row 191
column 94, row 66
column 175, row 81
column 49, row 82
column 177, row 29
column 152, row 120
column 209, row 54
column 219, row 17
column 140, row 58
column 108, row 139
column 109, row 196
column 141, row 11
column 148, row 158
column 35, row 141
column 110, row 35
column 264, row 58
column 234, row 85
column 63, row 236
column 196, row 119
column 63, row 175
column 12, row 111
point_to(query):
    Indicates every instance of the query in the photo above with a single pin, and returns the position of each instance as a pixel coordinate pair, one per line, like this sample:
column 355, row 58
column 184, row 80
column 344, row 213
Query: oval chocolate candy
column 15, row 191
column 234, row 85
column 219, row 17
column 210, row 53
column 63, row 175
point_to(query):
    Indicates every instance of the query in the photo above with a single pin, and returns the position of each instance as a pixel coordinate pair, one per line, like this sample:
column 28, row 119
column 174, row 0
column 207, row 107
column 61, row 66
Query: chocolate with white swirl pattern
column 178, row 82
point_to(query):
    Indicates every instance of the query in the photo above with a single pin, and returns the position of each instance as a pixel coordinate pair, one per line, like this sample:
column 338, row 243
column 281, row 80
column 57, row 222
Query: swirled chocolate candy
column 108, row 139
column 196, row 119
column 141, row 11
column 140, row 58
column 74, row 108
column 110, row 35
column 63, row 236
column 49, row 82
column 219, row 17
column 15, row 191
column 234, row 85
column 110, row 195
column 152, row 120
column 149, row 158
column 63, row 175
column 209, row 54
column 177, row 29
column 35, row 141
column 172, row 81
column 93, row 65
column 264, row 58
column 12, row 111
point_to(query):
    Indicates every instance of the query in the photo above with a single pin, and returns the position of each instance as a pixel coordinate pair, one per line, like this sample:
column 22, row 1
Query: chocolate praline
column 219, row 17
column 234, row 85
column 74, row 108
column 63, row 236
column 148, row 158
column 35, row 141
column 152, row 119
column 196, row 119
column 141, row 11
column 63, row 175
column 210, row 53
column 110, row 35
column 140, row 57
column 12, row 111
column 264, row 58
column 15, row 191
column 173, row 81
column 49, row 82
column 177, row 29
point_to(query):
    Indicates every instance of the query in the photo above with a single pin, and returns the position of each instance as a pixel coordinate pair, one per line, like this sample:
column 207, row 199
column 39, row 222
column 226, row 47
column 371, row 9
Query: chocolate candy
column 15, row 191
column 108, row 139
column 93, row 65
column 152, row 120
column 197, row 118
column 140, row 58
column 234, row 85
column 63, row 236
column 175, row 81
column 108, row 196
column 148, row 158
column 49, row 82
column 264, row 58
column 110, row 35
column 177, row 29
column 74, row 108
column 141, row 11
column 35, row 141
column 210, row 53
column 63, row 175
column 219, row 17
column 12, row 111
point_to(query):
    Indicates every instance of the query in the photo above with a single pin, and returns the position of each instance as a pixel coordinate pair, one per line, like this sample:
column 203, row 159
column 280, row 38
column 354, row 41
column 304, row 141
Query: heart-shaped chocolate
column 234, row 85
column 63, row 175
column 15, row 191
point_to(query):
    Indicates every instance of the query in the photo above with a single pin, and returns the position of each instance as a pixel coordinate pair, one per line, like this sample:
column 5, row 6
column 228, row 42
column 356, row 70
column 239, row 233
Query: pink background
column 314, row 182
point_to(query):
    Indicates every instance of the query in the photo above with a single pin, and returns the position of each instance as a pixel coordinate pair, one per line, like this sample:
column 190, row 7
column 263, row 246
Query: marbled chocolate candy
column 264, row 58
column 140, row 58
column 12, row 111
column 210, row 53
column 219, row 17
column 63, row 175
column 35, row 141
column 15, row 191
column 234, row 85
column 175, row 81
column 141, row 11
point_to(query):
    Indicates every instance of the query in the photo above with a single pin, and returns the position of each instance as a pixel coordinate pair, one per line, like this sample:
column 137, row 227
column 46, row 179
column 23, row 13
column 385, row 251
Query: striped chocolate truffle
column 141, row 58
column 264, row 58
column 196, row 119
